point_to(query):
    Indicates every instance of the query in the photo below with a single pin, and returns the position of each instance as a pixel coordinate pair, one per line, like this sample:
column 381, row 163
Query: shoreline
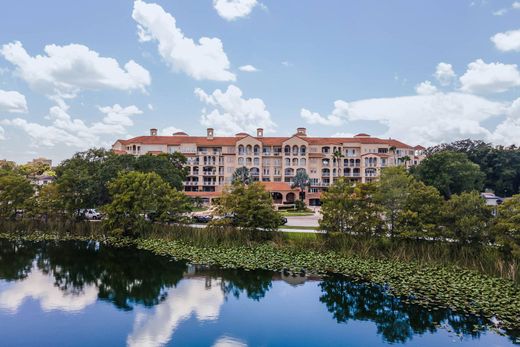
column 452, row 287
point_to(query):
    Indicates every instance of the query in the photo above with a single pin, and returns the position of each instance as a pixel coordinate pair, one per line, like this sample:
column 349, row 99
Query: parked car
column 90, row 214
column 202, row 218
column 283, row 221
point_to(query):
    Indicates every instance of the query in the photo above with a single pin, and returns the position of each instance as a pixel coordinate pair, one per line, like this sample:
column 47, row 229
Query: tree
column 467, row 218
column 250, row 206
column 242, row 175
column 49, row 201
column 450, row 172
column 420, row 215
column 83, row 178
column 15, row 191
column 301, row 181
column 350, row 208
column 136, row 196
column 337, row 155
column 392, row 192
column 500, row 164
column 508, row 225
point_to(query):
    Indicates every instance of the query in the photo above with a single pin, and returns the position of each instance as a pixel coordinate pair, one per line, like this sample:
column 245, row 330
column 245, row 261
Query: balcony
column 209, row 173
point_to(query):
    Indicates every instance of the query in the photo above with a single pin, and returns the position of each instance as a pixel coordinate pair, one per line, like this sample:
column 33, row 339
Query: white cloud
column 516, row 5
column 234, row 9
column 73, row 131
column 150, row 107
column 481, row 77
column 168, row 131
column 41, row 287
column 226, row 341
column 205, row 60
column 287, row 63
column 12, row 101
column 500, row 12
column 66, row 70
column 232, row 113
column 337, row 117
column 444, row 73
column 508, row 131
column 190, row 298
column 248, row 68
column 425, row 88
column 2, row 134
column 507, row 41
column 423, row 119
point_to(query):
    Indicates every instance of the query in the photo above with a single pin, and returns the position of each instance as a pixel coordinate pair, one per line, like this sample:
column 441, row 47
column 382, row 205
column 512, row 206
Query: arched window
column 346, row 171
column 249, row 149
column 295, row 162
column 240, row 161
column 303, row 162
column 287, row 162
column 256, row 161
column 325, row 172
column 295, row 150
column 241, row 150
column 248, row 161
column 303, row 150
column 289, row 172
column 287, row 150
column 256, row 150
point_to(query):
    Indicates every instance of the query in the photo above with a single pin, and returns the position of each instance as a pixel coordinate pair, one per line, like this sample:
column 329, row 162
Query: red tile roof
column 277, row 186
column 270, row 141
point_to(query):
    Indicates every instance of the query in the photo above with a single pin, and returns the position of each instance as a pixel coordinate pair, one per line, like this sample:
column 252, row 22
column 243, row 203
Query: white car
column 90, row 214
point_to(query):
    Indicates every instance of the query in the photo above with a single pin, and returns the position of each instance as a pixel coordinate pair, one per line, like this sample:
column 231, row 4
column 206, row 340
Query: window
column 265, row 171
column 287, row 162
column 303, row 162
column 303, row 150
column 248, row 161
column 240, row 161
column 256, row 161
column 241, row 150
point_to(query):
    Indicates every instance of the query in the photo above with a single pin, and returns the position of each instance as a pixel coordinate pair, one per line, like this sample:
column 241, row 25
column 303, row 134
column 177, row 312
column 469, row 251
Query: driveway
column 303, row 221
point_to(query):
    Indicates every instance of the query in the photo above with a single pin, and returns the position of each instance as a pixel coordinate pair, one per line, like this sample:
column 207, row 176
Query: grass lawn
column 295, row 213
column 298, row 227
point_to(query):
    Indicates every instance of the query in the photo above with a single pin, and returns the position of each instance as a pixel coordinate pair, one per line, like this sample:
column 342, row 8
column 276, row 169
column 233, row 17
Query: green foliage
column 350, row 208
column 450, row 172
column 508, row 225
column 83, row 179
column 242, row 175
column 137, row 196
column 250, row 206
column 392, row 193
column 500, row 164
column 420, row 214
column 49, row 202
column 299, row 205
column 468, row 219
column 15, row 192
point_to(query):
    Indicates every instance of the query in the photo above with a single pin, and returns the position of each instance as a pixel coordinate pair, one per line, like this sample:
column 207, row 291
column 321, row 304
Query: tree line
column 400, row 205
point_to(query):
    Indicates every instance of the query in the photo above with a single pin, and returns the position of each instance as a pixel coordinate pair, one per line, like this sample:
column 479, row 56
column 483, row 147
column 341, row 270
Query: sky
column 82, row 74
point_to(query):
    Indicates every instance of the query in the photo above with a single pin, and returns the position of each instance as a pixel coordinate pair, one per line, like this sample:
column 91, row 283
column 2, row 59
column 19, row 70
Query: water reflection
column 71, row 276
column 189, row 298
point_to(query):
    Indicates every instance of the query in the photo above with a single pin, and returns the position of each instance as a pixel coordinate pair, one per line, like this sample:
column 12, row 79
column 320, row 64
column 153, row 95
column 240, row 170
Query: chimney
column 301, row 131
column 153, row 132
column 259, row 132
column 210, row 133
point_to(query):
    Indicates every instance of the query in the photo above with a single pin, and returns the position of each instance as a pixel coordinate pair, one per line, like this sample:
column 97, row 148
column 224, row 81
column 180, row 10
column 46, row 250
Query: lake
column 87, row 294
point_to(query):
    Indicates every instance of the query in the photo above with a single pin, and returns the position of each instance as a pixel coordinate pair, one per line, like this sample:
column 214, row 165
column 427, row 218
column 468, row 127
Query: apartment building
column 274, row 161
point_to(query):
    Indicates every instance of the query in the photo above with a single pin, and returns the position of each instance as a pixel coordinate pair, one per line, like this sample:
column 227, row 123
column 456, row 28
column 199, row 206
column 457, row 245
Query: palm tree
column 393, row 149
column 301, row 180
column 405, row 159
column 242, row 175
column 337, row 155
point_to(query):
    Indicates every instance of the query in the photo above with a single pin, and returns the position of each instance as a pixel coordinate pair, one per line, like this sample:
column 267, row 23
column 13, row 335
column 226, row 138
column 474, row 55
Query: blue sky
column 79, row 74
